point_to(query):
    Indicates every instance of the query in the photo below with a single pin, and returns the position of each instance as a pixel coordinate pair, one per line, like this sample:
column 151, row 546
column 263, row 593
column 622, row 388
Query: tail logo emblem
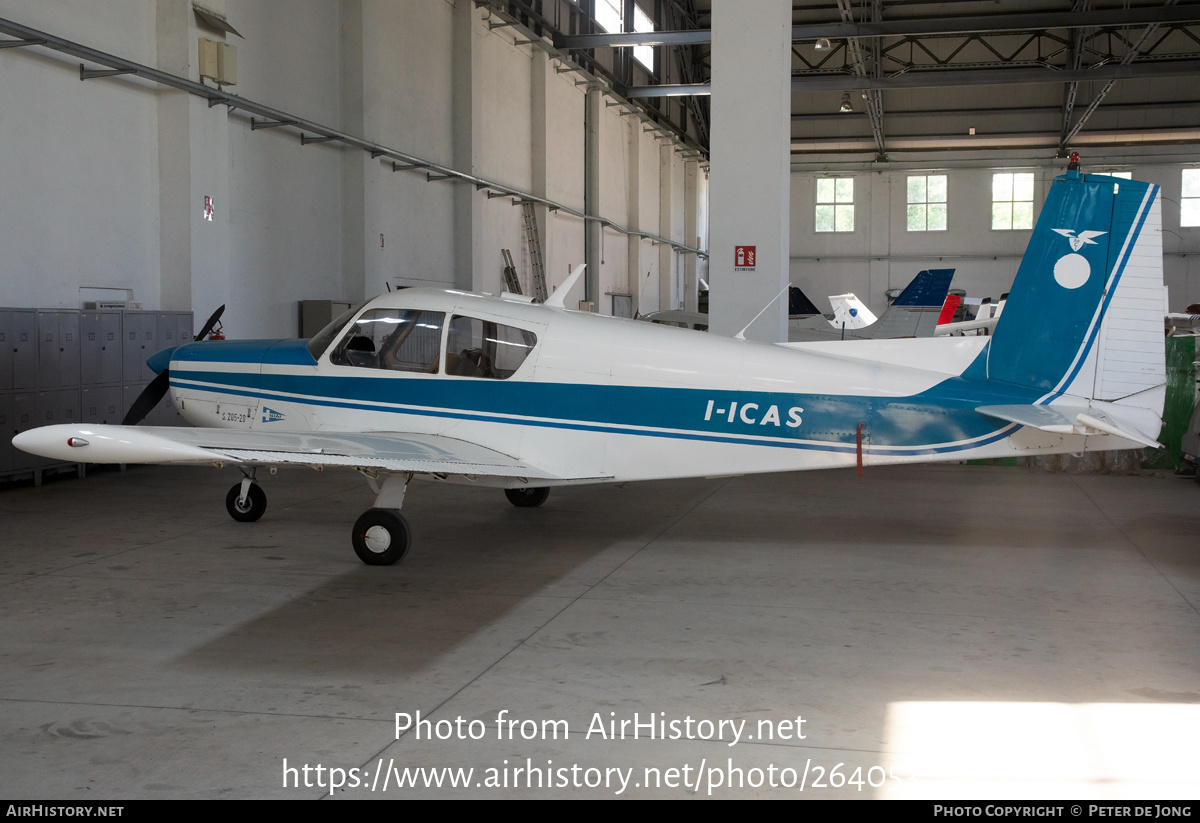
column 1084, row 238
column 1073, row 270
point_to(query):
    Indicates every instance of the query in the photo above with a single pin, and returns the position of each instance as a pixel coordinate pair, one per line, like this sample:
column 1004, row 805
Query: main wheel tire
column 527, row 498
column 252, row 509
column 380, row 537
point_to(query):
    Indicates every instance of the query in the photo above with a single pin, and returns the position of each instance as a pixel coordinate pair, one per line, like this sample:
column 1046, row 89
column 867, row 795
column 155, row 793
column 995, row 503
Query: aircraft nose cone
column 160, row 360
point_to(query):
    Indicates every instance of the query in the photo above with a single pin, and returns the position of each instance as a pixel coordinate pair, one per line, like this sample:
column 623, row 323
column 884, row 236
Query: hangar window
column 927, row 202
column 1012, row 200
column 395, row 339
column 835, row 204
column 642, row 23
column 1189, row 201
column 608, row 15
column 482, row 348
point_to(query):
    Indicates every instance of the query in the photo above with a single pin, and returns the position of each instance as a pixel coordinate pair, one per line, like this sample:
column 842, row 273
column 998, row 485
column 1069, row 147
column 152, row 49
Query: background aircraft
column 914, row 313
column 497, row 391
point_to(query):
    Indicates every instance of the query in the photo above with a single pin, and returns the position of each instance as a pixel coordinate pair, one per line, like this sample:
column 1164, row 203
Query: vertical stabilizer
column 1084, row 316
column 915, row 311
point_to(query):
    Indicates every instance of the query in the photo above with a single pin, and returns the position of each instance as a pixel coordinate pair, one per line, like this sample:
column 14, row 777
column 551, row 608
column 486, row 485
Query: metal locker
column 58, row 406
column 102, row 404
column 139, row 340
column 100, row 347
column 58, row 348
column 18, row 349
column 24, row 417
column 6, row 433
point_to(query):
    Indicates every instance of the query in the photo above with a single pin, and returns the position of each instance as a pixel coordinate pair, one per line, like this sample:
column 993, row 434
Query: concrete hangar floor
column 934, row 631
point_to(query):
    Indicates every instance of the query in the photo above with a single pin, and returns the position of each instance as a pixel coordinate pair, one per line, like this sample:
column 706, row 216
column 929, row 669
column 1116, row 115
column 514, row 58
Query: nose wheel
column 380, row 537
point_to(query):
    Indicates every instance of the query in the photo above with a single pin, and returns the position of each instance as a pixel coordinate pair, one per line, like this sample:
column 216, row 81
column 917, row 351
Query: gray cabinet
column 58, row 348
column 67, row 366
column 18, row 349
column 100, row 348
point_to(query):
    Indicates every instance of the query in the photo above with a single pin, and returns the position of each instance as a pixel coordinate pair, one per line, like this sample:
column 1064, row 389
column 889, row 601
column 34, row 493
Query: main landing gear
column 246, row 501
column 381, row 535
column 527, row 498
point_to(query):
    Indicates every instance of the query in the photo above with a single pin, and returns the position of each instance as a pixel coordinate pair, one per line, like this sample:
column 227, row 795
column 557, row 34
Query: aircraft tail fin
column 849, row 312
column 914, row 313
column 953, row 301
column 1083, row 320
column 799, row 305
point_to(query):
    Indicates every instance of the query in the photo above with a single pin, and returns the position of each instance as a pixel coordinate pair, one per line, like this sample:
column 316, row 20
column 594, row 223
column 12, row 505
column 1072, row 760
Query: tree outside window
column 927, row 202
column 1189, row 202
column 835, row 204
column 1012, row 200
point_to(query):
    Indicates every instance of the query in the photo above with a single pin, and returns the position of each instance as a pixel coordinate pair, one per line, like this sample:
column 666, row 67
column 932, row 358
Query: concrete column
column 592, row 111
column 750, row 151
column 354, row 164
column 468, row 210
column 691, row 226
column 666, row 262
column 193, row 157
column 540, row 75
column 633, row 188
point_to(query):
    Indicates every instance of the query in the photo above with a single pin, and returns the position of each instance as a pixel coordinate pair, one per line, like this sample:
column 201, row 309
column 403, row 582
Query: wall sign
column 744, row 258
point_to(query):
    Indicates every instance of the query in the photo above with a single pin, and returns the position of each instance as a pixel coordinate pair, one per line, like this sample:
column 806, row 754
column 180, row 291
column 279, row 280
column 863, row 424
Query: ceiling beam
column 967, row 24
column 943, row 78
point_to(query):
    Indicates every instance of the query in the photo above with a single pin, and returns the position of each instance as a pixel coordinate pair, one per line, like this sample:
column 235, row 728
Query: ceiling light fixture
column 822, row 44
column 846, row 107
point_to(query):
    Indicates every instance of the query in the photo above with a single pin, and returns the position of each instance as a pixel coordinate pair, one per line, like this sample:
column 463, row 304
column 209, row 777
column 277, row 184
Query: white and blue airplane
column 500, row 392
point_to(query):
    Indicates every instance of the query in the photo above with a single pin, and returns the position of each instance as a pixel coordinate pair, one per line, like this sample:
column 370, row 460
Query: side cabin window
column 395, row 339
column 482, row 348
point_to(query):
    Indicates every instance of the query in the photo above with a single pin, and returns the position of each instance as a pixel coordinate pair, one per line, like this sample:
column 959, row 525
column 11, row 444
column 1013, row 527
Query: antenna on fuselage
column 742, row 334
column 556, row 300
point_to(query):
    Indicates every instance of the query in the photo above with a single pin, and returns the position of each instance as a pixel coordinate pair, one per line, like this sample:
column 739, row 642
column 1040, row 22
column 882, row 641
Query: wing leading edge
column 387, row 451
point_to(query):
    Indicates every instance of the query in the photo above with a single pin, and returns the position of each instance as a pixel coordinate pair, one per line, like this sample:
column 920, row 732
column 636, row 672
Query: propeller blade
column 148, row 399
column 212, row 321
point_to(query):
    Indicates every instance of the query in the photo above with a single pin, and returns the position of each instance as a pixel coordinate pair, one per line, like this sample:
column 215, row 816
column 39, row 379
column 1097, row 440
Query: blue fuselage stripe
column 941, row 420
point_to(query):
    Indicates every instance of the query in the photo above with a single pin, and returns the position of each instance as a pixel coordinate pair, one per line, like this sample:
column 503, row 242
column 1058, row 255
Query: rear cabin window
column 482, row 348
column 394, row 339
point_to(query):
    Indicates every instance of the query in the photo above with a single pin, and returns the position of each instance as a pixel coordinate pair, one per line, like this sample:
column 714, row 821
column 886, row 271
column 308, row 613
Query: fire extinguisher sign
column 744, row 258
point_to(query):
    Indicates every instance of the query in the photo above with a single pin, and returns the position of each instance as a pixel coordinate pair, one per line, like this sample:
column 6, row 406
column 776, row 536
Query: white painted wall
column 78, row 160
column 881, row 253
column 104, row 180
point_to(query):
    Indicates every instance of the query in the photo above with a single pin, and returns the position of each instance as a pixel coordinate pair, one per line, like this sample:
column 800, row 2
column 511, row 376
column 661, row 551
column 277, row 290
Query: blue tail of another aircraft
column 927, row 290
column 914, row 313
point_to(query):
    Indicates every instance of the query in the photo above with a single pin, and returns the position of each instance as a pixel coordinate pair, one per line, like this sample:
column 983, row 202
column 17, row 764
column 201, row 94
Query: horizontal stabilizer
column 1081, row 420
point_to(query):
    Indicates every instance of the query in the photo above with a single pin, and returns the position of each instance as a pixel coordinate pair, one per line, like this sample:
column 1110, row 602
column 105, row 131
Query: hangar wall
column 106, row 178
column 881, row 253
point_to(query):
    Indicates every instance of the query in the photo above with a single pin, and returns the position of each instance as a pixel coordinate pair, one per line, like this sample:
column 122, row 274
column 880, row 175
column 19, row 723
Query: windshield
column 319, row 343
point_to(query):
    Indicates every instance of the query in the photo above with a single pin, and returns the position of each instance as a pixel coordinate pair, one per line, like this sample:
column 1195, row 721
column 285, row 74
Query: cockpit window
column 395, row 339
column 482, row 348
column 320, row 342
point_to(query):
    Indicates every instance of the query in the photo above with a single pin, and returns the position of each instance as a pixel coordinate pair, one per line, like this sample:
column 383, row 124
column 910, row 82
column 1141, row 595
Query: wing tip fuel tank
column 107, row 444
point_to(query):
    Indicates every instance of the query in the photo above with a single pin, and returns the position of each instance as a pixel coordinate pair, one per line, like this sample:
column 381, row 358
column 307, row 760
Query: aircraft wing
column 388, row 451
